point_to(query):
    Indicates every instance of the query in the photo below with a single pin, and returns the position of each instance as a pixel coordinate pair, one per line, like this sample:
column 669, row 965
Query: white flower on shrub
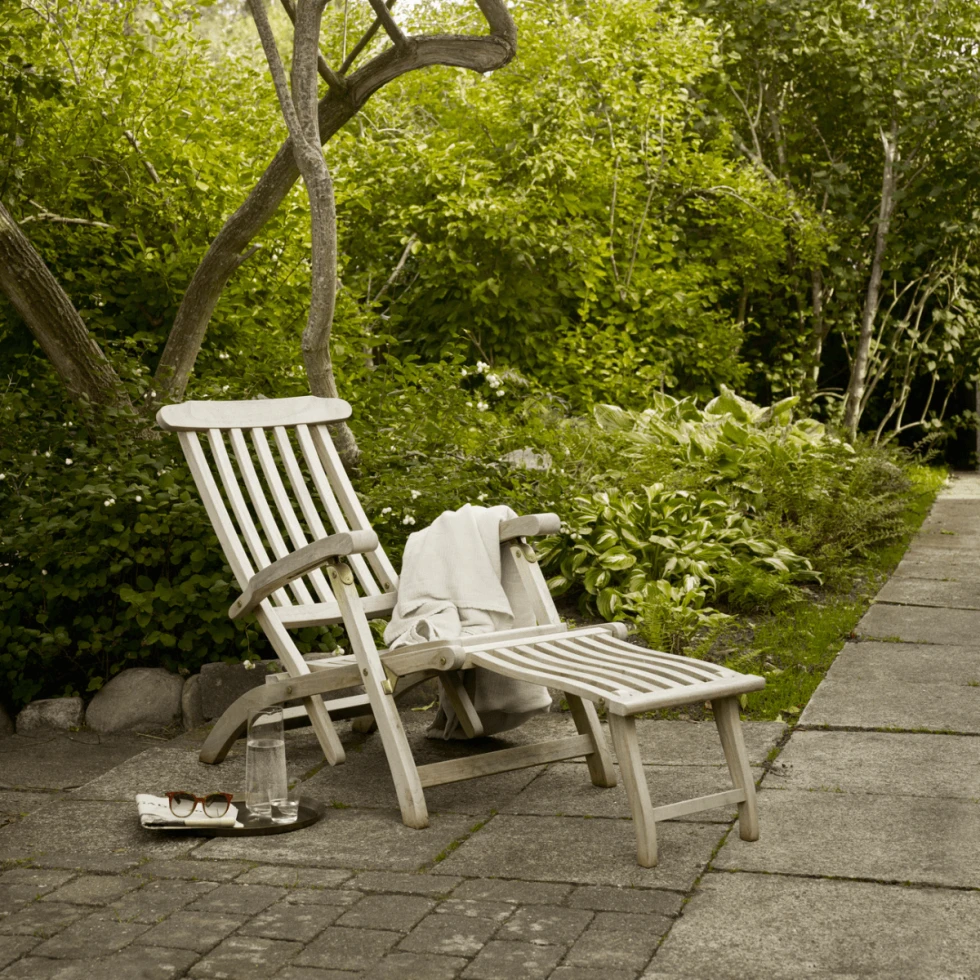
column 385, row 510
column 68, row 461
column 416, row 494
column 482, row 367
column 500, row 392
column 408, row 519
column 481, row 496
column 3, row 476
column 482, row 406
column 139, row 499
column 494, row 381
column 109, row 502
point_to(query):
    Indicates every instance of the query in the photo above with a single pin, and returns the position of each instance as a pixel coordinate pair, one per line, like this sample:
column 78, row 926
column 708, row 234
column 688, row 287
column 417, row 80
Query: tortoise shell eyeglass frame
column 183, row 804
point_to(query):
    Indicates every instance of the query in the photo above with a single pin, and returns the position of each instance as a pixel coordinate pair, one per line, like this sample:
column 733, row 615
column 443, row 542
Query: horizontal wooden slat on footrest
column 599, row 667
column 673, row 810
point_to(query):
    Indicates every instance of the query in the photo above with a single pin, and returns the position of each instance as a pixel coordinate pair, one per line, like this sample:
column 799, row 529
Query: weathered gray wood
column 400, row 760
column 329, row 501
column 195, row 416
column 698, row 803
column 328, row 613
column 301, row 561
column 505, row 760
column 635, row 782
column 455, row 690
column 599, row 760
column 530, row 525
column 256, row 493
column 730, row 730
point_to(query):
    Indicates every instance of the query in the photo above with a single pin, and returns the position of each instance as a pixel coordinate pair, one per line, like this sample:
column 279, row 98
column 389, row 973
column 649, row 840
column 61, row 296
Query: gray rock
column 6, row 725
column 191, row 709
column 223, row 684
column 528, row 459
column 136, row 698
column 58, row 713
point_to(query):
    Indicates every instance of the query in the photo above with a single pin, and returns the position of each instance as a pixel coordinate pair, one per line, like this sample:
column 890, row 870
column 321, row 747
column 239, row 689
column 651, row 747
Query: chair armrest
column 534, row 525
column 303, row 560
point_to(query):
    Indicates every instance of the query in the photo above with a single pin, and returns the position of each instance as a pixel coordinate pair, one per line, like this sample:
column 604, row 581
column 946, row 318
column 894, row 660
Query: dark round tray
column 309, row 813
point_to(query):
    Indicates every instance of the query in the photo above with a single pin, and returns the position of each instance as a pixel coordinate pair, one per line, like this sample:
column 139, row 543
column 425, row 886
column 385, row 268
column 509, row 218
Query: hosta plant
column 615, row 548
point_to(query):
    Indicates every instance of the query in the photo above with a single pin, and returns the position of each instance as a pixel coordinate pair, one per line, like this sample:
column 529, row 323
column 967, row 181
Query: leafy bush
column 107, row 557
column 620, row 546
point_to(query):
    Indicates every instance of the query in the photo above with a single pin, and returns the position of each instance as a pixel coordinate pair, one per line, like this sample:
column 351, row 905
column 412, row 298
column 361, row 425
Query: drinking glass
column 287, row 810
column 265, row 762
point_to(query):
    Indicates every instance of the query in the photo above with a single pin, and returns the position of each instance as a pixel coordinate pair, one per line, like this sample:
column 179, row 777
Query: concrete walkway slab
column 63, row 760
column 560, row 791
column 900, row 685
column 945, row 593
column 948, row 627
column 583, row 851
column 742, row 926
column 929, row 563
column 361, row 839
column 885, row 763
column 856, row 835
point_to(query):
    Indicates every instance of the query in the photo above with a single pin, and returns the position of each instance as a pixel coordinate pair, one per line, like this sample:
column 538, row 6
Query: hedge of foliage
column 109, row 561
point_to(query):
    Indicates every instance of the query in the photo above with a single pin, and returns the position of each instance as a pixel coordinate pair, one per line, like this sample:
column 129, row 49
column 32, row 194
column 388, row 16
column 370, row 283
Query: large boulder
column 191, row 708
column 141, row 697
column 223, row 684
column 6, row 725
column 48, row 713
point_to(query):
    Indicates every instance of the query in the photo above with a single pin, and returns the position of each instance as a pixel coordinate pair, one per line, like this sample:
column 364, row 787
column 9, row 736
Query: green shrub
column 107, row 557
column 618, row 547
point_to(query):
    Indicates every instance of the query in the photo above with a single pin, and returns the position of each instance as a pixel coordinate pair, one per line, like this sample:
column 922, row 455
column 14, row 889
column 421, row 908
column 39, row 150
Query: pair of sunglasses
column 182, row 803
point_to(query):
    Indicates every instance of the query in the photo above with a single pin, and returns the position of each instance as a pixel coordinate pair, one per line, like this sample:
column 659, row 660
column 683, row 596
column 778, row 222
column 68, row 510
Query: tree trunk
column 49, row 314
column 859, row 370
column 478, row 53
column 818, row 334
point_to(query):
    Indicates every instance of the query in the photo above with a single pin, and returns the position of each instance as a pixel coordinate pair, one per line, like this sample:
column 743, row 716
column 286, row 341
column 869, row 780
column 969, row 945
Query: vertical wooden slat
column 229, row 480
column 268, row 519
column 334, row 513
column 306, row 505
column 220, row 518
column 340, row 481
column 257, row 495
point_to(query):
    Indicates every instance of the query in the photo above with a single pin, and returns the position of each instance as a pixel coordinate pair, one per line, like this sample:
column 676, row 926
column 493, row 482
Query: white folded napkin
column 155, row 813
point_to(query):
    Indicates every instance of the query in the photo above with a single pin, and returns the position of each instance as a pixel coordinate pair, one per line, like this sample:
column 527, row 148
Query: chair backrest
column 272, row 481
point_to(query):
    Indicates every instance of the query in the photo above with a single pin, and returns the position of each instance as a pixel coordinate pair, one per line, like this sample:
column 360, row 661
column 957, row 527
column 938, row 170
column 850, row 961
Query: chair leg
column 730, row 731
column 634, row 780
column 452, row 684
column 232, row 724
column 325, row 732
column 600, row 762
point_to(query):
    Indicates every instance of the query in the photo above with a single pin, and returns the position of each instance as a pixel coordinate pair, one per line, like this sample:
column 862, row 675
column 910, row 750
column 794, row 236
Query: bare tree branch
column 384, row 17
column 365, row 40
column 332, row 79
column 150, row 169
column 480, row 53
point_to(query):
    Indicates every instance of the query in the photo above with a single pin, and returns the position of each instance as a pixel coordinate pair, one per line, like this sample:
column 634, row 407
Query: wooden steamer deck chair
column 302, row 550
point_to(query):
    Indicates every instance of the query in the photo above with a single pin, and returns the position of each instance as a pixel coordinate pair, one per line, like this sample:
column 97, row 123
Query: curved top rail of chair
column 257, row 413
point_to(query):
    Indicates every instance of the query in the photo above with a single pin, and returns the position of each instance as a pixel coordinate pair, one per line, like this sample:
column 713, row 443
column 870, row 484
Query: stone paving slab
column 943, row 593
column 158, row 770
column 565, row 790
column 929, row 563
column 963, row 485
column 364, row 839
column 740, row 926
column 133, row 963
column 852, row 835
column 73, row 826
column 943, row 627
column 887, row 763
column 899, row 685
column 15, row 804
column 572, row 849
column 63, row 760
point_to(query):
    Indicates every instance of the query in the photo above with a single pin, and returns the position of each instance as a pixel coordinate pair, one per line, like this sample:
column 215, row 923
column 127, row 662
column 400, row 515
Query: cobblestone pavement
column 868, row 865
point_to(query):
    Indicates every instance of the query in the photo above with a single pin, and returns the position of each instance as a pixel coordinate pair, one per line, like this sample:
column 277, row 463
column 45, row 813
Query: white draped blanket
column 452, row 584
